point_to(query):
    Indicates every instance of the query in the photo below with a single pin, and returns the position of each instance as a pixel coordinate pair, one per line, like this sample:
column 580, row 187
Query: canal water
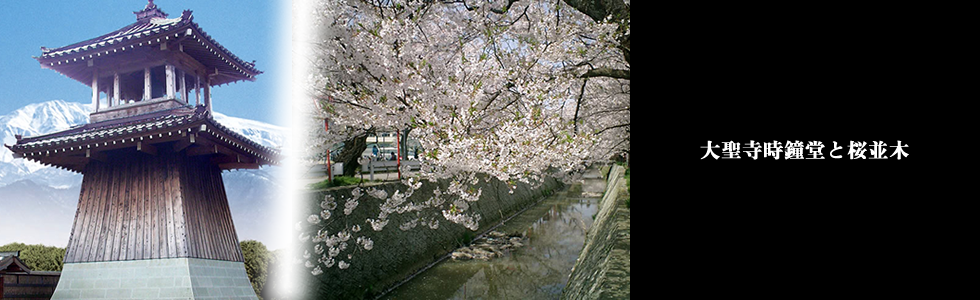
column 555, row 230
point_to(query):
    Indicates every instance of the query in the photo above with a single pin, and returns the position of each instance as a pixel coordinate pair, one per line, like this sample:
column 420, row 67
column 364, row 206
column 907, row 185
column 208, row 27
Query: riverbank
column 544, row 242
column 409, row 242
column 603, row 268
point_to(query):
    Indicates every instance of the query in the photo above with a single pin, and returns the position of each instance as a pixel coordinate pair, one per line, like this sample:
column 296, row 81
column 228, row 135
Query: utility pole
column 398, row 150
column 326, row 127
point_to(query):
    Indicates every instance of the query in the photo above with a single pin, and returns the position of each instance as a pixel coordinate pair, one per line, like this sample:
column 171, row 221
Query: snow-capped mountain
column 262, row 133
column 40, row 201
column 36, row 119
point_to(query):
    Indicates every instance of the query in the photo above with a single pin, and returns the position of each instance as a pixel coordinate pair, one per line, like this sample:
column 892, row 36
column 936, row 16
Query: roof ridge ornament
column 186, row 16
column 149, row 12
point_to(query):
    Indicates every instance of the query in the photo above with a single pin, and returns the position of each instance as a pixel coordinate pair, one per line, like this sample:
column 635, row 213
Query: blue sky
column 252, row 29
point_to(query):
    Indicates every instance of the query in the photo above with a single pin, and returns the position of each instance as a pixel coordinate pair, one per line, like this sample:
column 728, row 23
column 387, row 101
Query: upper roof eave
column 146, row 33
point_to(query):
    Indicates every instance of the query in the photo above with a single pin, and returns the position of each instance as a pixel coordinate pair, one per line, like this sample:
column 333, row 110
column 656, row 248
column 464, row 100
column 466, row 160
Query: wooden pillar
column 183, row 86
column 171, row 82
column 207, row 95
column 95, row 88
column 197, row 90
column 147, row 86
column 115, row 88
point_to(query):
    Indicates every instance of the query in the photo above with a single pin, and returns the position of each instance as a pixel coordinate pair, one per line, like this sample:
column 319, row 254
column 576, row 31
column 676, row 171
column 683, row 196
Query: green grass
column 337, row 181
column 627, row 187
column 627, row 179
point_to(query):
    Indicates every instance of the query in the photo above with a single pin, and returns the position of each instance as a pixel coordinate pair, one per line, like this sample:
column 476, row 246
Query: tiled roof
column 131, row 31
column 149, row 32
column 113, row 128
column 13, row 264
column 156, row 125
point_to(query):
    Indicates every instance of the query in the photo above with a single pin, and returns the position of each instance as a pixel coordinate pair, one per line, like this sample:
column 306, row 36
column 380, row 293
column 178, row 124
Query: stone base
column 171, row 278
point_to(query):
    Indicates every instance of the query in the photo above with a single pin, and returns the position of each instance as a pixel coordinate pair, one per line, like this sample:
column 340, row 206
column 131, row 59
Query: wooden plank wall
column 213, row 234
column 142, row 206
column 27, row 286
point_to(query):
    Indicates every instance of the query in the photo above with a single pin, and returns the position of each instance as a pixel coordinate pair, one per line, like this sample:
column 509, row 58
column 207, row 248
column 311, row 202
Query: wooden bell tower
column 153, row 219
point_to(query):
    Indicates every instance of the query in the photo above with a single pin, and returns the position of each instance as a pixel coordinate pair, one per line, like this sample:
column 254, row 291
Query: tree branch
column 505, row 10
column 616, row 10
column 329, row 99
column 465, row 5
column 613, row 127
column 578, row 104
column 607, row 72
column 598, row 10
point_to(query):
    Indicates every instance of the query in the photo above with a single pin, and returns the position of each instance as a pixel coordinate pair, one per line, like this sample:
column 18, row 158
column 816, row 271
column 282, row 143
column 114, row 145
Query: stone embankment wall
column 395, row 253
column 603, row 268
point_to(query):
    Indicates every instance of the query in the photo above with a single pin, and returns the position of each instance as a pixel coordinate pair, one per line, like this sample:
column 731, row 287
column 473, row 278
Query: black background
column 811, row 225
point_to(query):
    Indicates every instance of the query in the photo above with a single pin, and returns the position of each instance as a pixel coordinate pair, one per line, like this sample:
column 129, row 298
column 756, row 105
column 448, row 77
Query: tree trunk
column 404, row 143
column 352, row 150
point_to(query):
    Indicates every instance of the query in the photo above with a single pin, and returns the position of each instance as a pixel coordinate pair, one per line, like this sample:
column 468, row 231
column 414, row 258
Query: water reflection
column 555, row 229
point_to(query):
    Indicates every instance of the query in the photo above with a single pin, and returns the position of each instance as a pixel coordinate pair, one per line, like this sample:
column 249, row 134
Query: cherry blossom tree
column 517, row 90
column 507, row 88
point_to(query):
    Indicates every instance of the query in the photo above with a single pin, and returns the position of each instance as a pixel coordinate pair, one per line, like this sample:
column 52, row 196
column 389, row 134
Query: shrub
column 627, row 187
column 38, row 257
column 258, row 262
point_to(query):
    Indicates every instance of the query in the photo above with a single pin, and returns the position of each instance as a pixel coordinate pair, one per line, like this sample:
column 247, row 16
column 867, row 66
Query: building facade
column 153, row 219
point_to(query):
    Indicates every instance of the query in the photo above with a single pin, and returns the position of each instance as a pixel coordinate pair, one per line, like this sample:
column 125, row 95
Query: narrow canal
column 555, row 234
